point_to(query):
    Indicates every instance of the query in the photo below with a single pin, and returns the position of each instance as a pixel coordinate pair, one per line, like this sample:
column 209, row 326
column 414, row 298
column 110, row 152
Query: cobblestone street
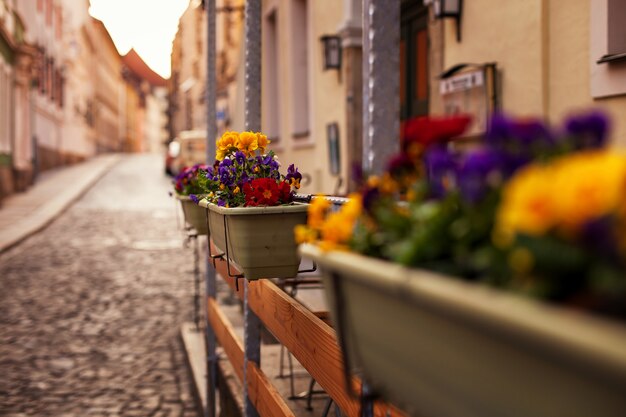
column 90, row 307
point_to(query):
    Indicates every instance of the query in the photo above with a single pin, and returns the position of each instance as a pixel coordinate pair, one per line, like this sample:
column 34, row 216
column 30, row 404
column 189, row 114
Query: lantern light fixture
column 449, row 9
column 332, row 51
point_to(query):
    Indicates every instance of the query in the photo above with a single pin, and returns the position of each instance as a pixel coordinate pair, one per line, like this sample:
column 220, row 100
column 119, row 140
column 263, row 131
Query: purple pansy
column 293, row 176
column 441, row 167
column 479, row 172
column 588, row 130
column 240, row 157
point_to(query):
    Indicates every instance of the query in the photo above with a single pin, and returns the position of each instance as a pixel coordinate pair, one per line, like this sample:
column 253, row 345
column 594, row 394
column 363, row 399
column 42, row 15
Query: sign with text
column 472, row 92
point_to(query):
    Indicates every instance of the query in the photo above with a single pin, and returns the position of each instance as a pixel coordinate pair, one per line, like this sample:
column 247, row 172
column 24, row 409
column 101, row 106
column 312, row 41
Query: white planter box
column 442, row 347
column 261, row 240
column 195, row 215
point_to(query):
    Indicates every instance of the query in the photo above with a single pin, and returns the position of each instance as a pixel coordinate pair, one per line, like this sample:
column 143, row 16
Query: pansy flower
column 247, row 142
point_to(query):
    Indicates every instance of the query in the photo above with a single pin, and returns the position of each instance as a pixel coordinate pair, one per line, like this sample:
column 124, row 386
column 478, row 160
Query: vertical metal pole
column 210, row 284
column 366, row 91
column 367, row 403
column 211, row 82
column 381, row 99
column 252, row 324
column 252, row 347
column 253, row 66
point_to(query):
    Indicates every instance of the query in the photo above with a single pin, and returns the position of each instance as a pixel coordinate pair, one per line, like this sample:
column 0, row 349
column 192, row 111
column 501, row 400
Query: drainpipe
column 351, row 32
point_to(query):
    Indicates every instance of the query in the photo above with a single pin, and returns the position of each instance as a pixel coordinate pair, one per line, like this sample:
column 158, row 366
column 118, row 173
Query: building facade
column 110, row 99
column 186, row 88
column 189, row 71
column 304, row 103
column 17, row 65
column 65, row 93
column 145, row 100
column 79, row 130
column 44, row 27
column 548, row 56
column 540, row 59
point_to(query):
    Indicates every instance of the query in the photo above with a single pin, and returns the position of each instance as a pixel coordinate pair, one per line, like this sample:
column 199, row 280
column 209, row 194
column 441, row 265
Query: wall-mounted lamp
column 332, row 51
column 449, row 8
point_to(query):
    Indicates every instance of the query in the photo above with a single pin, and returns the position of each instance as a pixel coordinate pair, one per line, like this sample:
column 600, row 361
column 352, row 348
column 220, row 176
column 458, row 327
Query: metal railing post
column 381, row 98
column 252, row 324
column 210, row 283
column 252, row 347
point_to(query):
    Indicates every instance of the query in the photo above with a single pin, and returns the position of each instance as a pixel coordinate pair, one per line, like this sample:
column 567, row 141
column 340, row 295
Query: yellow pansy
column 303, row 234
column 527, row 203
column 388, row 185
column 220, row 154
column 373, row 181
column 337, row 229
column 262, row 142
column 317, row 211
column 589, row 185
column 247, row 143
column 227, row 141
column 352, row 209
column 564, row 195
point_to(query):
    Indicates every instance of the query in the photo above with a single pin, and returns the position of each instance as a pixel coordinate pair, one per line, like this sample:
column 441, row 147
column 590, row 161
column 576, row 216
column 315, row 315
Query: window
column 5, row 109
column 60, row 87
column 617, row 28
column 188, row 111
column 271, row 93
column 414, row 60
column 50, row 79
column 43, row 68
column 48, row 12
column 59, row 22
column 608, row 48
column 300, row 70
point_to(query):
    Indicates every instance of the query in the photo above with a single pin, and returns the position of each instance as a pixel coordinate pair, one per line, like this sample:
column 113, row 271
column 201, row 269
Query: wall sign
column 470, row 89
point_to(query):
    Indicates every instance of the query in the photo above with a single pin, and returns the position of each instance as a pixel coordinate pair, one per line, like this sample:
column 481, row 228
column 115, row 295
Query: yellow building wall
column 542, row 48
column 326, row 97
column 570, row 67
column 508, row 33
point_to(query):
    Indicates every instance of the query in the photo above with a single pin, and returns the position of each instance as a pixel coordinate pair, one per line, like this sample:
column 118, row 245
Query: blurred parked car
column 187, row 149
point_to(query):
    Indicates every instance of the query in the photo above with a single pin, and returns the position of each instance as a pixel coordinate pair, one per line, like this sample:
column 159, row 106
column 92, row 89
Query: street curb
column 195, row 358
column 54, row 208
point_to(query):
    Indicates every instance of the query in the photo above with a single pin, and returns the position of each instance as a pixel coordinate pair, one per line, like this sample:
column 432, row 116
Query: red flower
column 426, row 131
column 284, row 189
column 261, row 192
column 266, row 192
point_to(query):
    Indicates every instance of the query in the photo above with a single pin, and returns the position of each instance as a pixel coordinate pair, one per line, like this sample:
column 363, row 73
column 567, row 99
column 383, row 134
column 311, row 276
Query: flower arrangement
column 537, row 209
column 188, row 181
column 246, row 174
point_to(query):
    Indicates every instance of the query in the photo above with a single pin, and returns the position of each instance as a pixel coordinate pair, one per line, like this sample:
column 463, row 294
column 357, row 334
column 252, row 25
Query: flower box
column 437, row 346
column 195, row 215
column 260, row 240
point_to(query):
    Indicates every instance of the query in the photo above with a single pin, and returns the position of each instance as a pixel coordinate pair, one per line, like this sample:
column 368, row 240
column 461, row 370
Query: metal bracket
column 313, row 269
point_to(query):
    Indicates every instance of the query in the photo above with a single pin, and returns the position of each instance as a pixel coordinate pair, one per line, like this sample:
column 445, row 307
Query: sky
column 148, row 26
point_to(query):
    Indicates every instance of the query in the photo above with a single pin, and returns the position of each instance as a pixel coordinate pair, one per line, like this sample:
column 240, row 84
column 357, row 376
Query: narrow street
column 90, row 307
